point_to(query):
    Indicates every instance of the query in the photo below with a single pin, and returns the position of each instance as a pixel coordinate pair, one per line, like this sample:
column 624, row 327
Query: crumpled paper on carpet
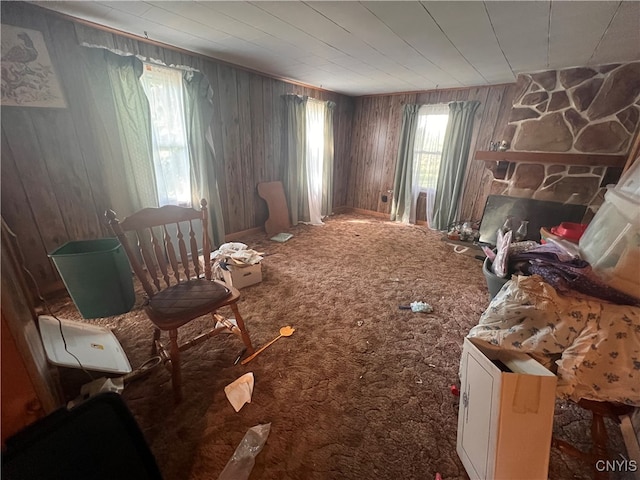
column 240, row 390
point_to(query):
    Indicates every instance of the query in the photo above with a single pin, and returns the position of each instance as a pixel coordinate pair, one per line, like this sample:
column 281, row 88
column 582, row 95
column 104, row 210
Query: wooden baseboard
column 371, row 213
column 362, row 211
column 236, row 235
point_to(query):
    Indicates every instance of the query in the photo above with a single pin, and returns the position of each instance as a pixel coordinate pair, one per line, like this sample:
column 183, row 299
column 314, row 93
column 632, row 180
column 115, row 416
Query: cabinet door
column 20, row 403
column 477, row 416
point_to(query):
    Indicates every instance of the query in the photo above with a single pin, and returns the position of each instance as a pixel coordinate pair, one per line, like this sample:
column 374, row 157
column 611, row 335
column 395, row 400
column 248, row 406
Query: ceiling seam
column 484, row 3
column 417, row 51
column 549, row 34
column 605, row 32
column 312, row 36
column 452, row 44
column 370, row 46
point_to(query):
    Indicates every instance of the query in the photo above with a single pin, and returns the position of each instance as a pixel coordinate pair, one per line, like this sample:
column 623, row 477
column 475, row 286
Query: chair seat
column 181, row 303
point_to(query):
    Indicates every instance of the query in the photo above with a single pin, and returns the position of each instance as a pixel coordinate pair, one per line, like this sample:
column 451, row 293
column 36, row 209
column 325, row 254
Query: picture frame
column 28, row 76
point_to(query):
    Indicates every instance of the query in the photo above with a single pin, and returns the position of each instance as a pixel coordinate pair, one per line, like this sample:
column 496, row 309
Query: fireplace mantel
column 585, row 159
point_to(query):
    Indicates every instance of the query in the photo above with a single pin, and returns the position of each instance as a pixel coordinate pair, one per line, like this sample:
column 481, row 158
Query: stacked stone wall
column 575, row 110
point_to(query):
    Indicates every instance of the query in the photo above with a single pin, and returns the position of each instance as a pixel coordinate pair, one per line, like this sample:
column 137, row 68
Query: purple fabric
column 551, row 263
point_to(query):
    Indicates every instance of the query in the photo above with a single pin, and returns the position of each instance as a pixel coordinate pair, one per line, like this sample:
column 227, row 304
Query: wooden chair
column 190, row 294
column 599, row 438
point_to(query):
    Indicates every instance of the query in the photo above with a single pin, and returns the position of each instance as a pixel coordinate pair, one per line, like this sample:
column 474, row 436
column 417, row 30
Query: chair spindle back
column 156, row 230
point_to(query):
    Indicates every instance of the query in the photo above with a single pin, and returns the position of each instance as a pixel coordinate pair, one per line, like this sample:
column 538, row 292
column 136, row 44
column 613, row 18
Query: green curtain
column 134, row 124
column 198, row 111
column 403, row 178
column 455, row 155
column 118, row 111
column 295, row 184
column 327, row 165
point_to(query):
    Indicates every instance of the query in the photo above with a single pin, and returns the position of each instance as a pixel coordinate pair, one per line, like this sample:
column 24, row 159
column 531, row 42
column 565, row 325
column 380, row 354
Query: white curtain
column 163, row 87
column 432, row 125
column 315, row 115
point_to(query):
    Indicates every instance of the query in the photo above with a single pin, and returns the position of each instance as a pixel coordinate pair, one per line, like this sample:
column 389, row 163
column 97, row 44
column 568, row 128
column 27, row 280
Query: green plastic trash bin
column 97, row 275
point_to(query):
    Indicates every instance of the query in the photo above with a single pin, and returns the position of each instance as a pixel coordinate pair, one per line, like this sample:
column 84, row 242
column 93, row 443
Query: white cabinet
column 506, row 410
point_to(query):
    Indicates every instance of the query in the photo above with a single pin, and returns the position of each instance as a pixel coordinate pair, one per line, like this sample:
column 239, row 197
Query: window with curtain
column 427, row 150
column 315, row 156
column 163, row 87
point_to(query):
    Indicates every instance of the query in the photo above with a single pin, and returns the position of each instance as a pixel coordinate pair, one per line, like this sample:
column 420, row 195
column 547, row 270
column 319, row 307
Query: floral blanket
column 592, row 346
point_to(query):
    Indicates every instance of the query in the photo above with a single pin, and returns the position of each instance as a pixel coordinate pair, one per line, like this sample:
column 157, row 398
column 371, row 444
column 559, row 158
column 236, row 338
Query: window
column 163, row 87
column 427, row 151
column 315, row 112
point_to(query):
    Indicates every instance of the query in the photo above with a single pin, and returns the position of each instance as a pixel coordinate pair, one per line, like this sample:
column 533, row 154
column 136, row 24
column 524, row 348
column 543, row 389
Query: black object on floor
column 539, row 213
column 99, row 440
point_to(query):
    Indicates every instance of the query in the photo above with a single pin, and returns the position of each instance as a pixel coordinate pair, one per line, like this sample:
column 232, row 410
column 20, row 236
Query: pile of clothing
column 233, row 253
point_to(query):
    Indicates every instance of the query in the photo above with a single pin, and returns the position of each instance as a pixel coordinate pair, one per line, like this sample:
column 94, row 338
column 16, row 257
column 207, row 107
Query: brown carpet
column 361, row 389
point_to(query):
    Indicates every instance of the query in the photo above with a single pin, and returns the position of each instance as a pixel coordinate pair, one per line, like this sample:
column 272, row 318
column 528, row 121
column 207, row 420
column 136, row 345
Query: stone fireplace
column 577, row 125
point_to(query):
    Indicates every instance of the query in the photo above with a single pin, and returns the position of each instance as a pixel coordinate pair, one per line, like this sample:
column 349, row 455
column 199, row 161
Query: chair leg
column 243, row 329
column 156, row 339
column 176, row 375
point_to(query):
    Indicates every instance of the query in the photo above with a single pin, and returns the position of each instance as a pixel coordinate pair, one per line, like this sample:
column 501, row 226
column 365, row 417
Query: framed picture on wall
column 28, row 76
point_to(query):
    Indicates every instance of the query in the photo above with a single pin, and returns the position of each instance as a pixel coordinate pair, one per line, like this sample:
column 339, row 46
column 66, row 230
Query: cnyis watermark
column 617, row 465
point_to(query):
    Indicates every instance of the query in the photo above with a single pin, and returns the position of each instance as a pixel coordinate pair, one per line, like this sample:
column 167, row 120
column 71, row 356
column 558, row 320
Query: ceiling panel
column 522, row 31
column 423, row 41
column 468, row 27
column 621, row 41
column 576, row 30
column 133, row 8
column 369, row 47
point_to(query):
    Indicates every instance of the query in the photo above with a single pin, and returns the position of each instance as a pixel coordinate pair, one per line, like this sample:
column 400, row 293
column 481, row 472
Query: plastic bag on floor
column 244, row 458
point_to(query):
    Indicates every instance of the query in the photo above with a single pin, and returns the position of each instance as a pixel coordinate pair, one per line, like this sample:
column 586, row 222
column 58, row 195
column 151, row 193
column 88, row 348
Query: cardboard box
column 506, row 412
column 241, row 276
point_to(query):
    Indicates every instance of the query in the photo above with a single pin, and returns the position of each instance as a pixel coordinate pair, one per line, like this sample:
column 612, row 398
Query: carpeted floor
column 362, row 388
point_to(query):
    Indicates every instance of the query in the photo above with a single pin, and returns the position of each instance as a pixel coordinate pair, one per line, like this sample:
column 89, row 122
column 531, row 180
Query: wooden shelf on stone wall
column 586, row 159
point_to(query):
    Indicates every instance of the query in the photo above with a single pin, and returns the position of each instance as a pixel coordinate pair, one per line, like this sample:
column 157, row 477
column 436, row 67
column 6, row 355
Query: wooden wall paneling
column 342, row 136
column 476, row 188
column 68, row 59
column 502, row 117
column 435, row 97
column 385, row 156
column 357, row 167
column 32, row 19
column 393, row 142
column 422, row 98
column 487, row 123
column 372, row 186
column 247, row 168
column 210, row 70
column 59, row 144
column 278, row 133
column 364, row 175
column 377, row 118
column 231, row 147
column 474, row 171
column 59, row 140
column 354, row 153
column 506, row 93
column 506, row 104
column 19, row 215
column 22, row 142
column 462, row 95
column 269, row 105
column 258, row 122
column 338, row 159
